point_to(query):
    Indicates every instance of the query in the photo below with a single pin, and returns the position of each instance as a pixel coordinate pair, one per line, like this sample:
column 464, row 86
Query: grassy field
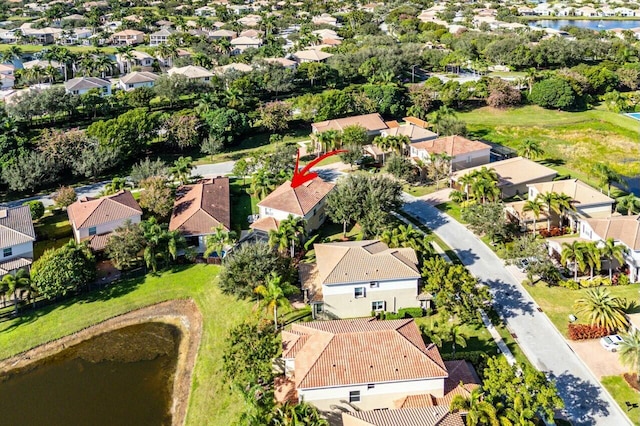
column 572, row 141
column 211, row 400
column 557, row 302
column 623, row 393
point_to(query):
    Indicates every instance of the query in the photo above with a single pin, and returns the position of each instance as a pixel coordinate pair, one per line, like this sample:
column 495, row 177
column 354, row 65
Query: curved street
column 586, row 402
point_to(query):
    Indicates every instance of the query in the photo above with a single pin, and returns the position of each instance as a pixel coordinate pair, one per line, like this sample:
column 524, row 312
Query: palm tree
column 201, row 60
column 14, row 282
column 532, row 75
column 168, row 52
column 450, row 333
column 602, row 309
column 125, row 53
column 273, row 296
column 291, row 414
column 534, row 206
column 630, row 203
column 554, row 202
column 262, row 183
column 530, row 149
column 479, row 412
column 290, row 232
column 181, row 169
column 573, row 253
column 116, row 185
column 592, row 257
column 630, row 351
column 610, row 250
column 153, row 235
column 218, row 241
column 466, row 180
column 103, row 64
column 607, row 176
column 11, row 54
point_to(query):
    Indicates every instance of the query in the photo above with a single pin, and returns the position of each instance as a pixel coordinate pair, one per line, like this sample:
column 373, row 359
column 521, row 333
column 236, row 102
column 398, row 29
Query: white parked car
column 611, row 342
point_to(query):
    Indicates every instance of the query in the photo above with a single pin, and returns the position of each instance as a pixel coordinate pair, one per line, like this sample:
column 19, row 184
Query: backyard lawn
column 53, row 230
column 212, row 402
column 557, row 302
column 572, row 141
column 242, row 204
column 623, row 394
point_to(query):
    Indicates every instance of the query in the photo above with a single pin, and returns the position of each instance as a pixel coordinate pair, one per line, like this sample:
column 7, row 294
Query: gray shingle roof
column 82, row 83
column 16, row 226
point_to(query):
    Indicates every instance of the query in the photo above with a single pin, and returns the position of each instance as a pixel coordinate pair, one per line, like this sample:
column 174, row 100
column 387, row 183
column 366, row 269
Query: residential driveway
column 600, row 361
column 438, row 197
column 585, row 399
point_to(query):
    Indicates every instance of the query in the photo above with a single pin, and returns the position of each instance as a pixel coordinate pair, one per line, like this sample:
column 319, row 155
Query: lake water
column 123, row 377
column 592, row 24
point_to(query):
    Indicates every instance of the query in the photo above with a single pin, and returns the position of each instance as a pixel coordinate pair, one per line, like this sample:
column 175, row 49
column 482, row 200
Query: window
column 7, row 252
column 374, row 284
column 93, row 230
column 354, row 396
column 371, row 386
column 358, row 292
column 377, row 306
column 268, row 211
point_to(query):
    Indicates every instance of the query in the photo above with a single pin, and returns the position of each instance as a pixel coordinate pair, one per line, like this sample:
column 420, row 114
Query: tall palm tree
column 592, row 257
column 552, row 202
column 14, row 282
column 262, row 183
column 479, row 412
column 530, row 149
column 630, row 203
column 630, row 351
column 534, row 206
column 602, row 309
column 448, row 334
column 218, row 241
column 574, row 253
column 168, row 52
column 607, row 176
column 11, row 54
column 273, row 295
column 103, row 64
column 181, row 170
column 125, row 53
column 610, row 250
column 290, row 232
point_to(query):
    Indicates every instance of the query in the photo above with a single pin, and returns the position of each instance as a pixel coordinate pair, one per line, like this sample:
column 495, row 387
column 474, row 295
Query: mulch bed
column 632, row 380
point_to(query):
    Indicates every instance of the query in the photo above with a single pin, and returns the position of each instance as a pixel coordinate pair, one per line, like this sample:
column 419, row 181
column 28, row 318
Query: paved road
column 92, row 190
column 585, row 400
column 213, row 170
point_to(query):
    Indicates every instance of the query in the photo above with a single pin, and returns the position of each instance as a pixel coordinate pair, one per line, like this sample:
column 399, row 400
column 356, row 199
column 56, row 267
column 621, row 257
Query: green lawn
column 242, row 204
column 452, row 209
column 572, row 141
column 623, row 393
column 419, row 190
column 53, row 231
column 33, row 48
column 557, row 302
column 212, row 402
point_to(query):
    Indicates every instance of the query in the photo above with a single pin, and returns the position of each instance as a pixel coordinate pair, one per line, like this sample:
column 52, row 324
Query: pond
column 592, row 24
column 123, row 377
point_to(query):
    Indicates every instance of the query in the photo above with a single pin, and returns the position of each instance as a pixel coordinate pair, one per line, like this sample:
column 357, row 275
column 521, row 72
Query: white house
column 306, row 201
column 81, row 85
column 7, row 76
column 192, row 72
column 134, row 59
column 205, row 11
column 160, row 37
column 201, row 208
column 240, row 44
column 137, row 79
column 16, row 239
column 354, row 278
column 464, row 153
column 94, row 219
column 364, row 363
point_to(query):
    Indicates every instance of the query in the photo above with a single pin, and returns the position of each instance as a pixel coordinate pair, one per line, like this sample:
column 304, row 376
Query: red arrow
column 304, row 175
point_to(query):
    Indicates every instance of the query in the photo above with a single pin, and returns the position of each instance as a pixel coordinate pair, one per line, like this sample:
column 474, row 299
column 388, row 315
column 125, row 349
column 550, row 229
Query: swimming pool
column 634, row 115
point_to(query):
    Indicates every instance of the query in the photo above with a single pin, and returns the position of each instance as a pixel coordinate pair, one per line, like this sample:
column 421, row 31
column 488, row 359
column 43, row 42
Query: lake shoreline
column 182, row 314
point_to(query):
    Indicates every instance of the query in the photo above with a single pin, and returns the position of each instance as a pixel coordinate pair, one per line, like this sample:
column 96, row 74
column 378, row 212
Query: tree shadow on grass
column 583, row 400
column 553, row 162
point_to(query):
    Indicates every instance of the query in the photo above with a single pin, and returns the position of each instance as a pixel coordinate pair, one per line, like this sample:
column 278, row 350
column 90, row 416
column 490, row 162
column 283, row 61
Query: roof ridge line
column 16, row 231
column 420, row 350
column 319, row 353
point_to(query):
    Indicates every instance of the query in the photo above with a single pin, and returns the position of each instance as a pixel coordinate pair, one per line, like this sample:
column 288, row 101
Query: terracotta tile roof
column 97, row 242
column 16, row 226
column 621, row 228
column 371, row 122
column 265, row 224
column 360, row 351
column 308, row 273
column 90, row 212
column 451, row 145
column 582, row 193
column 392, row 124
column 300, row 200
column 417, row 122
column 363, row 261
column 292, row 342
column 513, row 171
column 201, row 207
column 424, row 416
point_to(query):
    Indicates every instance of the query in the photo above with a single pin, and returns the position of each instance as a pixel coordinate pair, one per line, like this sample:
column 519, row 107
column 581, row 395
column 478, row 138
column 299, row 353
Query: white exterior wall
column 20, row 250
column 472, row 159
column 105, row 228
column 126, row 87
column 381, row 396
column 595, row 210
column 313, row 220
column 632, row 258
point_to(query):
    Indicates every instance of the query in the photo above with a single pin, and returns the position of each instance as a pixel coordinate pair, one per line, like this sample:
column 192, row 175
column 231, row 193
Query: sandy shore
column 183, row 314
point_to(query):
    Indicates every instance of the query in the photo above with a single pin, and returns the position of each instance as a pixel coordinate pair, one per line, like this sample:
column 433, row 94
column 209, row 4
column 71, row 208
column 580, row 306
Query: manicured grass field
column 419, row 190
column 623, row 393
column 572, row 141
column 452, row 209
column 212, row 401
column 557, row 302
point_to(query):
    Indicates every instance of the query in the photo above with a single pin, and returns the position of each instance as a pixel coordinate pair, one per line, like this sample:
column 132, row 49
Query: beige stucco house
column 464, row 153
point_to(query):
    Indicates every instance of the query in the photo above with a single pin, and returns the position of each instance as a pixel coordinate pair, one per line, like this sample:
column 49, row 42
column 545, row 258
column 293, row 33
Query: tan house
column 414, row 132
column 373, row 124
column 464, row 153
column 242, row 43
column 306, row 201
column 94, row 219
column 127, row 37
column 16, row 239
column 311, row 55
column 200, row 208
column 192, row 72
column 364, row 364
column 514, row 174
column 354, row 278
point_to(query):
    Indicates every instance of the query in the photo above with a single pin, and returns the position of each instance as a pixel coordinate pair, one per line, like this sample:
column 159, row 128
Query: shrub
column 586, row 331
column 623, row 279
column 410, row 313
column 36, row 208
column 570, row 284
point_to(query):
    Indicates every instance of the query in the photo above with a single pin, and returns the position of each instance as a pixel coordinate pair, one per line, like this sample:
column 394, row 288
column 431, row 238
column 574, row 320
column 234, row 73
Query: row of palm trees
column 583, row 255
column 547, row 203
column 481, row 184
column 11, row 284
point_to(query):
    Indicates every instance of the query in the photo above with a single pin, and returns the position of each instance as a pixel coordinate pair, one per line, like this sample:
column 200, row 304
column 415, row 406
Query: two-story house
column 137, row 79
column 306, row 201
column 354, row 278
column 372, row 123
column 16, row 239
column 240, row 44
column 94, row 219
column 464, row 152
column 127, row 38
column 135, row 59
column 160, row 37
column 81, row 85
column 201, row 208
column 7, row 76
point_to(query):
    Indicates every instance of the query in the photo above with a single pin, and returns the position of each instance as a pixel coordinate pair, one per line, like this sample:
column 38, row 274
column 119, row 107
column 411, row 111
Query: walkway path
column 586, row 401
